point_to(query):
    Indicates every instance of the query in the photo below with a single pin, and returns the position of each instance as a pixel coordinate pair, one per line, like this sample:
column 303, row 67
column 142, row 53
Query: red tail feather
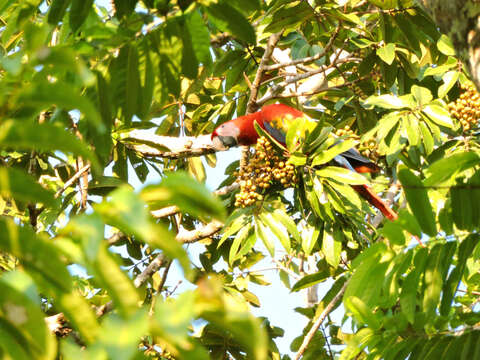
column 376, row 201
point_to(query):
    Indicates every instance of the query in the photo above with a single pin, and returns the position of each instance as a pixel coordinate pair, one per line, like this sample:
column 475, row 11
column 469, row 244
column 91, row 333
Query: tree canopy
column 97, row 96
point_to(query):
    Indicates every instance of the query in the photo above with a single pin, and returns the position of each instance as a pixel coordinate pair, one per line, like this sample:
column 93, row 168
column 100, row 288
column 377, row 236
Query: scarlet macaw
column 275, row 119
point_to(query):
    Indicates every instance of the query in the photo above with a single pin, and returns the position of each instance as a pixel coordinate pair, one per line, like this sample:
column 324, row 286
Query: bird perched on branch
column 275, row 119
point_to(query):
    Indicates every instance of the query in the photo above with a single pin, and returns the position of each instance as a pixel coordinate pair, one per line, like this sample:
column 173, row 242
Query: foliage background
column 92, row 97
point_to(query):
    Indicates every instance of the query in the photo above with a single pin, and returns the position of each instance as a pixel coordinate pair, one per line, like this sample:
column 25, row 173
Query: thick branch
column 187, row 237
column 171, row 147
column 272, row 42
column 151, row 269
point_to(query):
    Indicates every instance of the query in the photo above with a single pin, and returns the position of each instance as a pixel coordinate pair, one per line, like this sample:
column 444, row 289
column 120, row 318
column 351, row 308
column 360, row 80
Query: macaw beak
column 224, row 142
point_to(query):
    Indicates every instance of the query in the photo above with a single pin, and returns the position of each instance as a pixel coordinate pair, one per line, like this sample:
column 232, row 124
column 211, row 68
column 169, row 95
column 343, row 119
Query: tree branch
column 308, row 338
column 74, row 178
column 171, row 210
column 151, row 269
column 309, row 59
column 185, row 237
column 149, row 144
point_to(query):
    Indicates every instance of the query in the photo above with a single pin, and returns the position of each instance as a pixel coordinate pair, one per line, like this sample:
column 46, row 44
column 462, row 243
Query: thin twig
column 184, row 237
column 74, row 178
column 309, row 59
column 286, row 269
column 308, row 338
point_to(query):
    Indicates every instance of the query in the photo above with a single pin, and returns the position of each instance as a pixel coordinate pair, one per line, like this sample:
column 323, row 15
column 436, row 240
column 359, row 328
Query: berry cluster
column 467, row 107
column 347, row 132
column 264, row 169
column 368, row 148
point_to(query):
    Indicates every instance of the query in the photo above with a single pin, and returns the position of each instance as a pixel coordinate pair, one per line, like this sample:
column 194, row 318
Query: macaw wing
column 276, row 133
column 358, row 162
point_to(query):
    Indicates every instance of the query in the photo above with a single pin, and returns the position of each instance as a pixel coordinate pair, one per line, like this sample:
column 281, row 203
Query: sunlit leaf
column 387, row 53
column 418, row 200
column 444, row 169
column 438, row 115
column 445, row 45
column 183, row 191
column 127, row 212
column 120, row 337
column 341, row 175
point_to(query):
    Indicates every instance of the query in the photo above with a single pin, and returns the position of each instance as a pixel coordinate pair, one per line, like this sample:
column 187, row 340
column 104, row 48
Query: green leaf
column 172, row 318
column 294, row 133
column 124, row 7
column 261, row 232
column 39, row 257
column 433, row 279
column 413, row 129
column 408, row 296
column 363, row 313
column 20, row 186
column 57, row 11
column 370, row 268
column 120, row 337
column 418, row 201
column 449, row 79
column 228, row 19
column 200, row 37
column 341, row 175
column 452, row 283
column 357, row 342
column 446, row 168
column 387, row 53
column 331, row 248
column 79, row 12
column 310, row 280
column 233, row 226
column 189, row 58
column 147, row 86
column 132, row 90
column 386, row 101
column 127, row 212
column 325, row 156
column 445, row 46
column 237, row 242
column 277, row 229
column 43, row 137
column 23, row 329
column 281, row 216
column 196, row 168
column 422, row 95
column 438, row 115
column 427, row 137
column 310, row 235
column 116, row 282
column 185, row 192
column 64, row 96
